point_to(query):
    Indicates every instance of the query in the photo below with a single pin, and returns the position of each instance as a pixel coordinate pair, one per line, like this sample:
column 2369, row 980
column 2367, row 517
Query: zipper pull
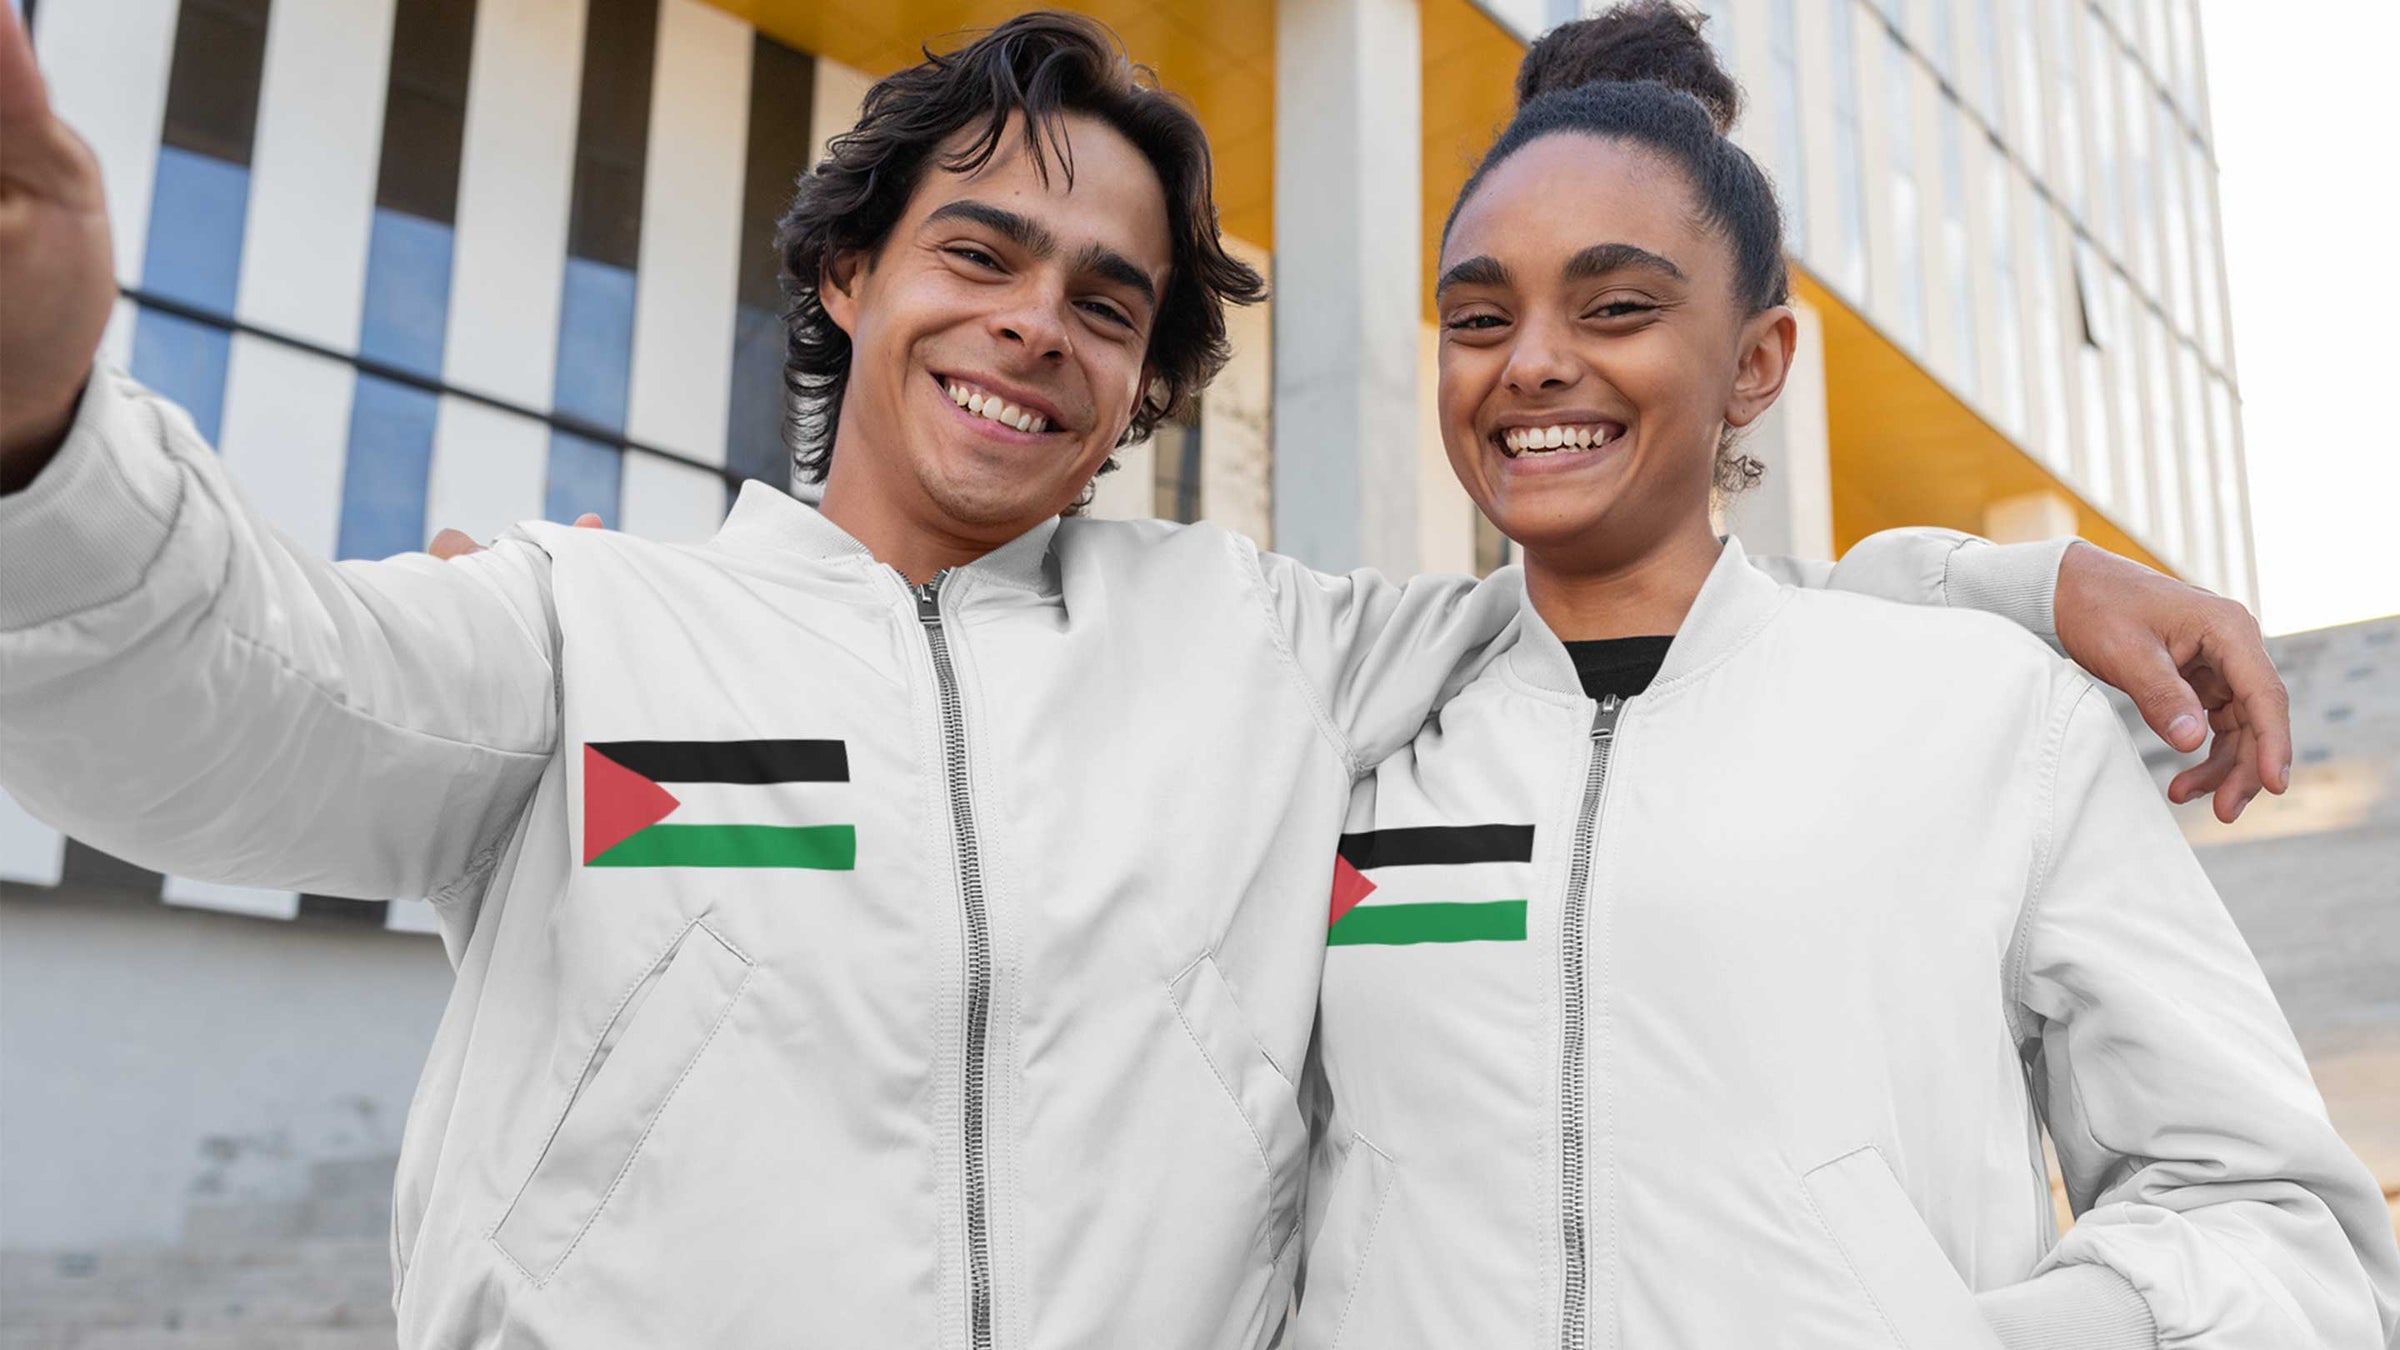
column 929, row 598
column 1604, row 721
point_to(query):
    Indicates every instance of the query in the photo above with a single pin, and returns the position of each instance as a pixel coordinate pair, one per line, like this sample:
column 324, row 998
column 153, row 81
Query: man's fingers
column 2204, row 777
column 452, row 544
column 2242, row 784
column 589, row 520
column 2233, row 647
column 2168, row 704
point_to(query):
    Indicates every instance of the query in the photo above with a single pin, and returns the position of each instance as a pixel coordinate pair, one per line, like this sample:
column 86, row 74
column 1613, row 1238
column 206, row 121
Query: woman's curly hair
column 1043, row 65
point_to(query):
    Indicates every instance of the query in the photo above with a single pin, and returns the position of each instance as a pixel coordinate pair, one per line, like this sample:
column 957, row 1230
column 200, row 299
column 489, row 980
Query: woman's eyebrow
column 1601, row 259
column 1481, row 270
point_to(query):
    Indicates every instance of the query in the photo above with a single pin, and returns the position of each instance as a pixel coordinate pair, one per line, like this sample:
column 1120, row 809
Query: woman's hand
column 2192, row 661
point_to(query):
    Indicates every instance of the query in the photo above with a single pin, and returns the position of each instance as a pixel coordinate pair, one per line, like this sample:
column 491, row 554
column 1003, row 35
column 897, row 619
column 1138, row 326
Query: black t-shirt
column 1620, row 666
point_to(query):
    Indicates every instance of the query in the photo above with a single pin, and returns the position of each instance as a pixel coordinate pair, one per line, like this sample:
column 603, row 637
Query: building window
column 2208, row 267
column 2066, row 97
column 2107, row 213
column 2049, row 342
column 1984, row 79
column 199, row 203
column 407, row 303
column 2030, row 131
column 1175, row 472
column 1908, row 233
column 2233, row 515
column 2140, row 177
column 1849, row 164
column 1791, row 157
column 2007, row 333
column 2099, row 470
column 2207, row 549
column 2133, row 422
column 2166, row 438
column 2173, row 164
column 782, row 96
column 1960, row 270
column 604, row 236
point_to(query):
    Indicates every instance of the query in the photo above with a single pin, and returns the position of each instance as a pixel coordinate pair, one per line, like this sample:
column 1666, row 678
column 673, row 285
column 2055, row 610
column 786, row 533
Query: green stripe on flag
column 824, row 848
column 1399, row 925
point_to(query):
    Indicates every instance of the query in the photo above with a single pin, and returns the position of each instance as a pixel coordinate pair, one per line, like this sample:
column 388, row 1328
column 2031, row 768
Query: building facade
column 424, row 263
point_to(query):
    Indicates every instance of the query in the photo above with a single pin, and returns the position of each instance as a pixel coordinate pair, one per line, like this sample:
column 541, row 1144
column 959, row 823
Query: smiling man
column 891, row 925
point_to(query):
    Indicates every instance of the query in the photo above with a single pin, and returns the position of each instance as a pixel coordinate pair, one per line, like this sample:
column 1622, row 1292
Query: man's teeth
column 1544, row 440
column 992, row 407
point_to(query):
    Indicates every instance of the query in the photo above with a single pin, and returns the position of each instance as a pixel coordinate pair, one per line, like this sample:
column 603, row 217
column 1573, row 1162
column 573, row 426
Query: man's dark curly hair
column 1043, row 65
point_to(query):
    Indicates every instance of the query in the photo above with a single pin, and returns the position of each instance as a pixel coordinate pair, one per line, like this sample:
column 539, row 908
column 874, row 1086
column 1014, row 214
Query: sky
column 2299, row 97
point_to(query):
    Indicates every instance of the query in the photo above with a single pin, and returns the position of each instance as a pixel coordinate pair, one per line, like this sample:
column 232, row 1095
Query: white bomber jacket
column 1730, row 1015
column 838, row 964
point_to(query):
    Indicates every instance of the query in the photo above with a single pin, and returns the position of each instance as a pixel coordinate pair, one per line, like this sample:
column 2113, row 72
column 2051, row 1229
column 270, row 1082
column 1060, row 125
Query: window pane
column 391, row 455
column 782, row 95
column 1907, row 227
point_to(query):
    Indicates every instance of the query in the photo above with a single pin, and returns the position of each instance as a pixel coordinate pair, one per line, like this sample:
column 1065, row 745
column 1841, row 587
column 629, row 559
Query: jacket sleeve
column 1376, row 659
column 2218, row 1210
column 182, row 687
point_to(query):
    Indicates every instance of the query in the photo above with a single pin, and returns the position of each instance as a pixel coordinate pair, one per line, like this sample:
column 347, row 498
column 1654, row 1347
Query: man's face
column 998, row 337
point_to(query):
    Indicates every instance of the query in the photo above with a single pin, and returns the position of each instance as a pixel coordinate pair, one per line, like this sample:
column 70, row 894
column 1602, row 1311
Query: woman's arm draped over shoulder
column 2196, row 1150
column 182, row 687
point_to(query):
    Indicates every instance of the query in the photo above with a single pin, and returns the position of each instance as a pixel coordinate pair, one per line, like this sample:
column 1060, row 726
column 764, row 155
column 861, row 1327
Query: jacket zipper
column 979, row 960
column 1573, row 1087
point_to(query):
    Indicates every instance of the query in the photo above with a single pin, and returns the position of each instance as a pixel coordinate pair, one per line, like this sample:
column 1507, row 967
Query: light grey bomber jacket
column 838, row 962
column 1732, row 1014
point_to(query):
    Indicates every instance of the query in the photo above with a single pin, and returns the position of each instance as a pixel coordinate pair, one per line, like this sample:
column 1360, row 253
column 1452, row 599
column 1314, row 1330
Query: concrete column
column 1236, row 413
column 1790, row 513
column 1347, row 202
column 1445, row 514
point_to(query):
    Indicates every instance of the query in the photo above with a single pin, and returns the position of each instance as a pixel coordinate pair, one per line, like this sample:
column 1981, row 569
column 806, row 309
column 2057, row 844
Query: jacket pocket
column 1337, row 1257
column 1267, row 1099
column 648, row 1049
column 1900, row 1269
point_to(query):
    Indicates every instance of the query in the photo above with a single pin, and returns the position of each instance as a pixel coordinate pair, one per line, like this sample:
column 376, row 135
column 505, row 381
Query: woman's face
column 1592, row 349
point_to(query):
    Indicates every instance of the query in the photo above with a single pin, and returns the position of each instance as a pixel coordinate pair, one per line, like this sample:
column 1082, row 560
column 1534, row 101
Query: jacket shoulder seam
column 2037, row 875
column 1247, row 555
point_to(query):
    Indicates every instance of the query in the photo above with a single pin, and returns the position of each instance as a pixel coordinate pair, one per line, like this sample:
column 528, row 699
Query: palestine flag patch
column 728, row 815
column 1422, row 906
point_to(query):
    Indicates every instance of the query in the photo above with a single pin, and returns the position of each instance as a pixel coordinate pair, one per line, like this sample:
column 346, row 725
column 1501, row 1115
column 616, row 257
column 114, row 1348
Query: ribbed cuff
column 2079, row 1307
column 85, row 530
column 2019, row 582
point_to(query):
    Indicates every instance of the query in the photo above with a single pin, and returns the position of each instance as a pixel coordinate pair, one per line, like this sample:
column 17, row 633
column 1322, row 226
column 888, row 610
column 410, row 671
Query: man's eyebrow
column 1601, row 259
column 1107, row 262
column 1480, row 270
column 1026, row 233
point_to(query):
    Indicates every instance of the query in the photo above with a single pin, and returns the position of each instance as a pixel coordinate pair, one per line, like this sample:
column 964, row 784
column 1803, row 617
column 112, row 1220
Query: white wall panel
column 670, row 502
column 412, row 916
column 833, row 104
column 312, row 170
column 287, row 423
column 489, row 467
column 1130, row 493
column 1445, row 513
column 250, row 900
column 1236, row 415
column 29, row 850
column 691, row 231
column 516, row 170
column 106, row 63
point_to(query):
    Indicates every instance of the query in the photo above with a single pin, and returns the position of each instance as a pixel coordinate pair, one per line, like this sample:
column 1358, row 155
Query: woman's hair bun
column 1640, row 40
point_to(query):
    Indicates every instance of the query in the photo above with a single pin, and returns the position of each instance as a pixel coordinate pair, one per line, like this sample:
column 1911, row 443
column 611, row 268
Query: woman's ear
column 834, row 282
column 1768, row 340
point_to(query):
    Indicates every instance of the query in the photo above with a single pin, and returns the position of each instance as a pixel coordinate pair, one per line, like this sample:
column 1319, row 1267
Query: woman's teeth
column 993, row 408
column 1517, row 441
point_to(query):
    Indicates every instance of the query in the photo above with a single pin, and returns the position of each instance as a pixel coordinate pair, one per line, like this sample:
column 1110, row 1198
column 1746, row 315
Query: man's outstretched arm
column 179, row 685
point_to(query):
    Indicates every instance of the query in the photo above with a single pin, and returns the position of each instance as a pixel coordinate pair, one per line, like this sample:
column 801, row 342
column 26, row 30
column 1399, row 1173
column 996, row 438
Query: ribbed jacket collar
column 1732, row 605
column 770, row 523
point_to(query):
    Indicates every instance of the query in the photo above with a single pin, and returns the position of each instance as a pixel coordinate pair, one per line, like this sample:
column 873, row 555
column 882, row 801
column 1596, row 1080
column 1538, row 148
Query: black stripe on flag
column 1425, row 844
column 746, row 762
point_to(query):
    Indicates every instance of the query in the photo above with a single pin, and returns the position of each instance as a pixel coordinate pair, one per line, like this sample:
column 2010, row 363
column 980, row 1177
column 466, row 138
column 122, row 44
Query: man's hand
column 57, row 276
column 458, row 543
column 2192, row 662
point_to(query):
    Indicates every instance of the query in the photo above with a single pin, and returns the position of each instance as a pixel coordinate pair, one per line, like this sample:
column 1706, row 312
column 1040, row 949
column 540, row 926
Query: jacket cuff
column 2018, row 582
column 2078, row 1307
column 85, row 531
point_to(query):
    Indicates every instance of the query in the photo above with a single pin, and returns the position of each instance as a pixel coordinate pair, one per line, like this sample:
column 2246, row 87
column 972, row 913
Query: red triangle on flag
column 617, row 802
column 1349, row 887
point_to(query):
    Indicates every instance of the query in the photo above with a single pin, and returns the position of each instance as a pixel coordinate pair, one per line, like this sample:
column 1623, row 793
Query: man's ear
column 835, row 281
column 1768, row 340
